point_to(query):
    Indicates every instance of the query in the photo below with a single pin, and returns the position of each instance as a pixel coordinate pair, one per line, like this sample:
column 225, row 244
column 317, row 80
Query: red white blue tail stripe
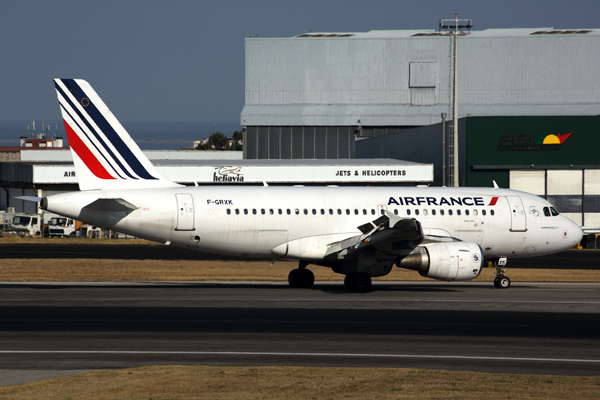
column 103, row 152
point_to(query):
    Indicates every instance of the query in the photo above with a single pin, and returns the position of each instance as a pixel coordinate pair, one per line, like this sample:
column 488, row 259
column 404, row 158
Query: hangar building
column 311, row 95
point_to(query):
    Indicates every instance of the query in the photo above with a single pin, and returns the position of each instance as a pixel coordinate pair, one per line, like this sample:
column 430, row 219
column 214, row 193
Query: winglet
column 495, row 185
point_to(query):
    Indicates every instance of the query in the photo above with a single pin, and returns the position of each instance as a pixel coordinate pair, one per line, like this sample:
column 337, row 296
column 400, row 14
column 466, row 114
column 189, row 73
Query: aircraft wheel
column 306, row 278
column 348, row 282
column 503, row 282
column 361, row 282
column 294, row 278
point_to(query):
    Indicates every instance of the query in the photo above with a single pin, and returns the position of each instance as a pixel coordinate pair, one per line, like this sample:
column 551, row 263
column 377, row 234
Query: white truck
column 27, row 224
column 63, row 227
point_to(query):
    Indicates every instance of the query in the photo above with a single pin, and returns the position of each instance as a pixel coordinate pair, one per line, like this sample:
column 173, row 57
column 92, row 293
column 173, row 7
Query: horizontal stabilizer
column 29, row 198
column 111, row 205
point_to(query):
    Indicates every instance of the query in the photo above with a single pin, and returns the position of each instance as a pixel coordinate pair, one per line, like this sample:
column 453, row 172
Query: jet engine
column 447, row 261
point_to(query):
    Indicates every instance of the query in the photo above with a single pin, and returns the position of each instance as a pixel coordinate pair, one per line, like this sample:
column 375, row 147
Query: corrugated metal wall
column 423, row 145
column 391, row 78
column 299, row 142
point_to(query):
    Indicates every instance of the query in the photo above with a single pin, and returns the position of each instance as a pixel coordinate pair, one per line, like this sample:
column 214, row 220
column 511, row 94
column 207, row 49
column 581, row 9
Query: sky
column 162, row 61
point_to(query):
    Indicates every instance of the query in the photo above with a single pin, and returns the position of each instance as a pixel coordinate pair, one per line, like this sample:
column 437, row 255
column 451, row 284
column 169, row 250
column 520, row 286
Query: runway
column 530, row 328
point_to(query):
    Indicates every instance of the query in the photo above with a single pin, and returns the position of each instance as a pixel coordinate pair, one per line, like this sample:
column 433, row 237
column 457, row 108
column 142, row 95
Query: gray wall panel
column 317, row 81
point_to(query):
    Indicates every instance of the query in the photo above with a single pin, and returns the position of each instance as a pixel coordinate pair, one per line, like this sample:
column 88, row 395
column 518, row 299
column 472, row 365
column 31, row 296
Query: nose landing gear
column 301, row 277
column 501, row 281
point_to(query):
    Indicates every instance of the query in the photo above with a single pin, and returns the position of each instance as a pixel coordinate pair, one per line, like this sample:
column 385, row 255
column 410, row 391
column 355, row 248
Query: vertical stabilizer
column 104, row 154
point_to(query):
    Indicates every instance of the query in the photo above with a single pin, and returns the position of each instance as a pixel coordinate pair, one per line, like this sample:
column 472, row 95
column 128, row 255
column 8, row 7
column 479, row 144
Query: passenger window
column 271, row 211
column 466, row 212
column 254, row 211
column 492, row 213
column 280, row 211
column 297, row 211
column 314, row 212
column 432, row 212
column 407, row 212
column 289, row 211
column 441, row 212
column 322, row 211
column 553, row 211
column 262, row 211
column 457, row 212
column 347, row 211
column 396, row 211
column 424, row 212
column 339, row 212
column 416, row 212
column 449, row 212
column 330, row 211
column 364, row 212
column 305, row 211
column 546, row 211
column 483, row 212
column 372, row 212
column 237, row 211
column 228, row 211
column 475, row 212
column 245, row 211
column 356, row 211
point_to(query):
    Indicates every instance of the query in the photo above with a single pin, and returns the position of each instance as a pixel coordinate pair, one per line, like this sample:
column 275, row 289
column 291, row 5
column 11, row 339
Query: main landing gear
column 357, row 282
column 301, row 277
column 501, row 281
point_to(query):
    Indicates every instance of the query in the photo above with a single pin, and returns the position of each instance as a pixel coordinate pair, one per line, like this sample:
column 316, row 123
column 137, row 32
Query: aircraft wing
column 389, row 234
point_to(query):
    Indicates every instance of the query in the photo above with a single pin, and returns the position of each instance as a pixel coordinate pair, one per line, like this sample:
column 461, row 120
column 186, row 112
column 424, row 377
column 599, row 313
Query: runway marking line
column 257, row 353
column 212, row 300
column 256, row 320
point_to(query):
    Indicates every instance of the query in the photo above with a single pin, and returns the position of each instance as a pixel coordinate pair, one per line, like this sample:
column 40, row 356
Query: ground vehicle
column 63, row 227
column 27, row 224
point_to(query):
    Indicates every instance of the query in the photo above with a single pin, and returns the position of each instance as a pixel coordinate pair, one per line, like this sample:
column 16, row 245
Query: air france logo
column 525, row 142
column 440, row 201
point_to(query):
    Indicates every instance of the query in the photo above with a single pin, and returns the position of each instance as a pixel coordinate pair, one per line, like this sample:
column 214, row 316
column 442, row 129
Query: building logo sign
column 526, row 142
column 228, row 174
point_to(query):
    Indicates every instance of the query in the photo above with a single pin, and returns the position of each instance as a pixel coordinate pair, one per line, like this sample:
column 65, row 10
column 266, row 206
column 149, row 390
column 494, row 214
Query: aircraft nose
column 573, row 232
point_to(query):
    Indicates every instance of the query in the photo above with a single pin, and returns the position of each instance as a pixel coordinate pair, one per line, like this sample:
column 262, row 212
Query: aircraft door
column 518, row 218
column 185, row 212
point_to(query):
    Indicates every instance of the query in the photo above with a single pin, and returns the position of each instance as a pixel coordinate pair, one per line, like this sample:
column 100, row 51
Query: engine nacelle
column 448, row 261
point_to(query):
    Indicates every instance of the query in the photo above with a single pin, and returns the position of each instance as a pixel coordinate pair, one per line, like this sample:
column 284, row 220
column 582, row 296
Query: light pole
column 446, row 24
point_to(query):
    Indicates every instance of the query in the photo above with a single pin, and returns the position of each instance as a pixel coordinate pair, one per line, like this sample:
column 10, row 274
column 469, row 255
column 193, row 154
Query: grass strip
column 201, row 382
column 99, row 270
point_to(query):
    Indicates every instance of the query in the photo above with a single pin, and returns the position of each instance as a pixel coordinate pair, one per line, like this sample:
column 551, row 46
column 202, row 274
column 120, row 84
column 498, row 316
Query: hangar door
column 185, row 212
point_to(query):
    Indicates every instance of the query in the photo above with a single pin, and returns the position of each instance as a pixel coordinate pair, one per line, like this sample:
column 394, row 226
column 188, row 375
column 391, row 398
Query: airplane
column 446, row 234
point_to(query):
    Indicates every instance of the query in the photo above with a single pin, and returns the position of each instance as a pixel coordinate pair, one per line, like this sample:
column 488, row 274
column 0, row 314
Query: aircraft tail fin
column 105, row 156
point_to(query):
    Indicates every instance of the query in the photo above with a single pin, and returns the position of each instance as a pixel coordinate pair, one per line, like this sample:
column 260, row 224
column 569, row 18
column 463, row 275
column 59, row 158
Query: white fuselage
column 253, row 221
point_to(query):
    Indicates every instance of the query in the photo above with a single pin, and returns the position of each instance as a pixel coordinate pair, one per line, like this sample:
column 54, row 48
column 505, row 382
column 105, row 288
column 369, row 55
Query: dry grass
column 36, row 240
column 192, row 382
column 202, row 270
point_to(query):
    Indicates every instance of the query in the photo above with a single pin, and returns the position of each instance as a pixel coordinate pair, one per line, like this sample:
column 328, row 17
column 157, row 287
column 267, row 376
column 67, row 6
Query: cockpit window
column 546, row 211
column 553, row 211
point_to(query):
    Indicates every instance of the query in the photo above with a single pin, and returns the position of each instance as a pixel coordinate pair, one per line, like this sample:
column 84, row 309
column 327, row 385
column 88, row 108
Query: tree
column 218, row 141
column 238, row 137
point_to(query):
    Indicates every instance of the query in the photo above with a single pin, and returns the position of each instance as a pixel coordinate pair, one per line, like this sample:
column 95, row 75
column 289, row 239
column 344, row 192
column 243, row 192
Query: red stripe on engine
column 493, row 201
column 88, row 158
